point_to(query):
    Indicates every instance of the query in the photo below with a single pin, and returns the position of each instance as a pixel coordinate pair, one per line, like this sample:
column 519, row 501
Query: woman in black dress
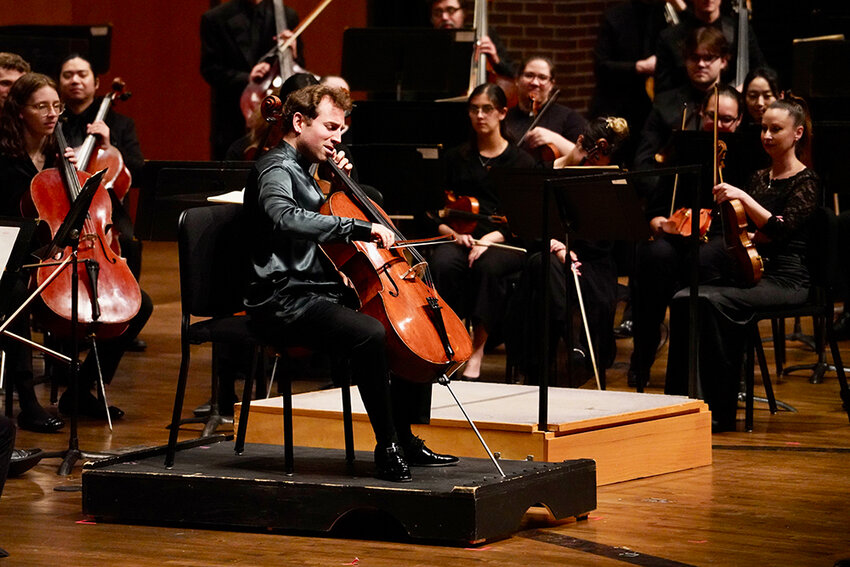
column 778, row 202
column 470, row 274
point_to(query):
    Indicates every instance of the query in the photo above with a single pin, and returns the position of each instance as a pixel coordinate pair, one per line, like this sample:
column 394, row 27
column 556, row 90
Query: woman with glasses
column 470, row 274
column 559, row 127
column 27, row 146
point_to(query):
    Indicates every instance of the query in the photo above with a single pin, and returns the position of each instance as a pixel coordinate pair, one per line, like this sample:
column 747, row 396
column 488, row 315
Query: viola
column 682, row 220
column 461, row 214
column 734, row 217
column 108, row 294
column 93, row 159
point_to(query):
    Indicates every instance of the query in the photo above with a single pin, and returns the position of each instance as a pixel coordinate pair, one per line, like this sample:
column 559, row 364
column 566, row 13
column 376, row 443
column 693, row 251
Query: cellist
column 29, row 119
column 294, row 292
column 778, row 203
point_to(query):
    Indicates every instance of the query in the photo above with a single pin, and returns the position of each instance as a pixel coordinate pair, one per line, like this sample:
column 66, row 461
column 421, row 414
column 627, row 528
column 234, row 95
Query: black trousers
column 7, row 444
column 327, row 326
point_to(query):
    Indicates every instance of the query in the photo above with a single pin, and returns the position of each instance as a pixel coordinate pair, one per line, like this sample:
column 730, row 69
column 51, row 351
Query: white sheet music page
column 8, row 236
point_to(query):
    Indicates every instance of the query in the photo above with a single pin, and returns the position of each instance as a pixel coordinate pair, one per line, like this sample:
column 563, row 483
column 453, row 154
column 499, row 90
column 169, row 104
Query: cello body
column 118, row 296
column 391, row 291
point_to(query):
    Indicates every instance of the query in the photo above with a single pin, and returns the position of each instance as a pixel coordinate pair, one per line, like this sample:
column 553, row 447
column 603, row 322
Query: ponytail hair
column 797, row 108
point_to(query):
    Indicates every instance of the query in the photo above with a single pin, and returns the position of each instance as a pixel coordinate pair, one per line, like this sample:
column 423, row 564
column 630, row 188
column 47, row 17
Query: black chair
column 213, row 270
column 823, row 271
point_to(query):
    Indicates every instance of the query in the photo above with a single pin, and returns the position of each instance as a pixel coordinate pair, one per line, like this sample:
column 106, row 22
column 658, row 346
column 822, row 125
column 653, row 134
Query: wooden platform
column 211, row 486
column 629, row 435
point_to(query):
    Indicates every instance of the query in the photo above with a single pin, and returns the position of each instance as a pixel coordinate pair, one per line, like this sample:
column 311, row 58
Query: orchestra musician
column 661, row 264
column 234, row 37
column 12, row 66
column 559, row 127
column 294, row 292
column 595, row 146
column 451, row 14
column 670, row 67
column 778, row 202
column 470, row 274
column 28, row 146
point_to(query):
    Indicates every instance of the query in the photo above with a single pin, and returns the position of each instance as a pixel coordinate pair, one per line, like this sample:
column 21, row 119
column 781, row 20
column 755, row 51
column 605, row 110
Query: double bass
column 425, row 338
column 108, row 295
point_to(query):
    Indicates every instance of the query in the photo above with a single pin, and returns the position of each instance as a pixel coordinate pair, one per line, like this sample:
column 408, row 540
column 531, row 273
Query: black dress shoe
column 137, row 345
column 418, row 455
column 391, row 464
column 89, row 406
column 624, row 330
column 632, row 378
column 23, row 460
column 44, row 423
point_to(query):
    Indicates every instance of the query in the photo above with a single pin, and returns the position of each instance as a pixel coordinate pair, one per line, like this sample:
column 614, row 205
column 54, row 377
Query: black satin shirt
column 281, row 207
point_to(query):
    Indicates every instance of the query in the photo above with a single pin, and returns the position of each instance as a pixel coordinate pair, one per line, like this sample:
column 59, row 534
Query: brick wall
column 564, row 30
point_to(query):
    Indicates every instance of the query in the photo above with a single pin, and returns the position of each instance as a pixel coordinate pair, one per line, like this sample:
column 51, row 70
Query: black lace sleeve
column 791, row 201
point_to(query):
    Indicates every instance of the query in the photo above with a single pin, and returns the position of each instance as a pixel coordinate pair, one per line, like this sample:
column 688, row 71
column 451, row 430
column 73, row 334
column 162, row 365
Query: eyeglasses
column 707, row 59
column 529, row 76
column 43, row 108
column 474, row 109
column 724, row 119
column 450, row 11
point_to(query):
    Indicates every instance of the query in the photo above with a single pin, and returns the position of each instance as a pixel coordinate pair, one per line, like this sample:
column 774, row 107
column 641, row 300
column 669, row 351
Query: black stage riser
column 210, row 486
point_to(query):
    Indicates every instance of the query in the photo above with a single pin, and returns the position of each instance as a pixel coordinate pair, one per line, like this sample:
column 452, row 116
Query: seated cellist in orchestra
column 470, row 274
column 296, row 296
column 554, row 132
column 31, row 113
column 661, row 264
column 778, row 201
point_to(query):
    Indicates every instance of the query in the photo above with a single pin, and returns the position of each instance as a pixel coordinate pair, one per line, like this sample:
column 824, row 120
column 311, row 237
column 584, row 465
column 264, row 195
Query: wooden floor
column 777, row 496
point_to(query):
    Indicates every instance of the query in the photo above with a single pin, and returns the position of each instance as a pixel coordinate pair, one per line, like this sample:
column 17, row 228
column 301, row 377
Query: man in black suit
column 234, row 38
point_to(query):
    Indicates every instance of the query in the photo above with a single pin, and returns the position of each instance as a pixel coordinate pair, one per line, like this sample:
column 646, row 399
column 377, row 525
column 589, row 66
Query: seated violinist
column 778, row 202
column 557, row 128
column 661, row 264
column 470, row 274
column 598, row 277
column 295, row 292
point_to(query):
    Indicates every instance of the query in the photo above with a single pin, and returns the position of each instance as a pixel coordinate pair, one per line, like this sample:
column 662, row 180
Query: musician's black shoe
column 137, row 345
column 418, row 455
column 40, row 423
column 391, row 465
column 624, row 329
column 89, row 406
column 633, row 377
column 23, row 460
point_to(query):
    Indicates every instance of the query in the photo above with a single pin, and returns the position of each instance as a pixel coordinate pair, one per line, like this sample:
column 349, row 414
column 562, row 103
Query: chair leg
column 288, row 451
column 178, row 405
column 347, row 425
column 765, row 372
column 239, row 448
column 749, row 378
column 778, row 328
column 839, row 369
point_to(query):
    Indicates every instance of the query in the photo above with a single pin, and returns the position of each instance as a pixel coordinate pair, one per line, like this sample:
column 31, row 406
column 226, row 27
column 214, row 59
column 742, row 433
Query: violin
column 117, row 176
column 546, row 152
column 734, row 218
column 108, row 295
column 283, row 66
column 461, row 214
column 425, row 338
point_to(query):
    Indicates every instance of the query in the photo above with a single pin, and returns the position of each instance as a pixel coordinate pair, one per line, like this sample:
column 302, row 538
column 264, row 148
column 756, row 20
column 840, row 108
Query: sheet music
column 8, row 237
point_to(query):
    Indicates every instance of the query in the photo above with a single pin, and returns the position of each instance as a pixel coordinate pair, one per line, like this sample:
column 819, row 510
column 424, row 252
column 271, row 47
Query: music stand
column 68, row 235
column 425, row 63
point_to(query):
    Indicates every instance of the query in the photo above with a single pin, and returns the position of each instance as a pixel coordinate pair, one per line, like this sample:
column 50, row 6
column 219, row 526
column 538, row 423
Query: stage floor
column 629, row 435
column 210, row 486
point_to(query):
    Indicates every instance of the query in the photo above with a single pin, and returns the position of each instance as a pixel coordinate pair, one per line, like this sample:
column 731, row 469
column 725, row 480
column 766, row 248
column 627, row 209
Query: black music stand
column 68, row 235
column 419, row 63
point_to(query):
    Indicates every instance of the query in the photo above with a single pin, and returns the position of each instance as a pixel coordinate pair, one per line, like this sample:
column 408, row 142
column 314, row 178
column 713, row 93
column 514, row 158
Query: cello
column 425, row 338
column 117, row 176
column 108, row 295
